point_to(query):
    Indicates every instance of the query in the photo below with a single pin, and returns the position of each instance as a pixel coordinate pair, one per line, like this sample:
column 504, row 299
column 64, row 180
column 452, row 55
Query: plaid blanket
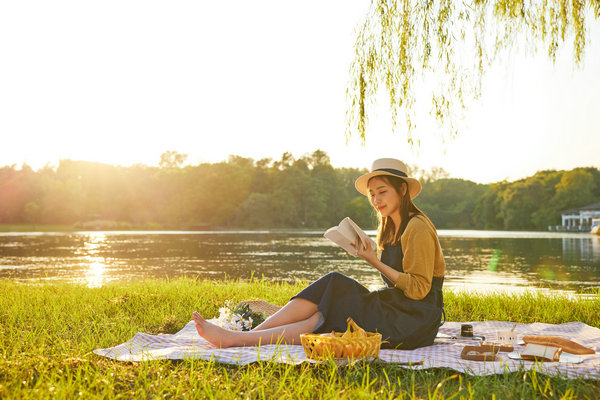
column 444, row 353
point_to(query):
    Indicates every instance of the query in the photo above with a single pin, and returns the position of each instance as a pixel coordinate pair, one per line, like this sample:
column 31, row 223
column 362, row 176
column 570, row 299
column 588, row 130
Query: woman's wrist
column 371, row 259
column 368, row 255
column 389, row 272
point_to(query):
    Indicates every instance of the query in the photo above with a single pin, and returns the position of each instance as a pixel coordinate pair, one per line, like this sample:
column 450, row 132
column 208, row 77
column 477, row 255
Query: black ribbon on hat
column 393, row 171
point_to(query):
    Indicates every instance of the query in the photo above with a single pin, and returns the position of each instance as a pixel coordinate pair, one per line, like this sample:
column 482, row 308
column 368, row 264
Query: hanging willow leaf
column 450, row 44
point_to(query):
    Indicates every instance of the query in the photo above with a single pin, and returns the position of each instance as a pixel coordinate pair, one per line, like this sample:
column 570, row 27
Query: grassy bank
column 48, row 330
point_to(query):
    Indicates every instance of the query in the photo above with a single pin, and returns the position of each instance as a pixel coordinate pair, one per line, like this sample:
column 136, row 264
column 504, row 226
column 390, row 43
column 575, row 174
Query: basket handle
column 354, row 329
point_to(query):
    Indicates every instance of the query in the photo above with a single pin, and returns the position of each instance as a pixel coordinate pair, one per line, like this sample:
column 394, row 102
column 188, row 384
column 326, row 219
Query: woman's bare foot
column 212, row 333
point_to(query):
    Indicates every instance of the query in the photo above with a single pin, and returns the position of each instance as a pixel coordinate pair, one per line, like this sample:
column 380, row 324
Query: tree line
column 305, row 193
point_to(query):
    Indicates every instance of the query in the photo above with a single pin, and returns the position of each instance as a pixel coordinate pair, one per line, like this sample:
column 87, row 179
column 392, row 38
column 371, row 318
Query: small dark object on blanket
column 466, row 330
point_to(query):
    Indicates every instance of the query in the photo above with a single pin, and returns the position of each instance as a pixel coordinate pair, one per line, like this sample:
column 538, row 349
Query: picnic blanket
column 444, row 353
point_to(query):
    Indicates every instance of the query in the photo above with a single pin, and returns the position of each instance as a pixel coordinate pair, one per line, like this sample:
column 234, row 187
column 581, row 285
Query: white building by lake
column 580, row 219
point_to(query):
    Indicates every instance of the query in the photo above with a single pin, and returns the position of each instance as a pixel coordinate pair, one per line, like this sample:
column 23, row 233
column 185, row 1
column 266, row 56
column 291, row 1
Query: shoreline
column 58, row 228
column 588, row 294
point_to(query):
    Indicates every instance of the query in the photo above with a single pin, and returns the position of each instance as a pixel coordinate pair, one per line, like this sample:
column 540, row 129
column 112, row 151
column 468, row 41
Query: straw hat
column 389, row 167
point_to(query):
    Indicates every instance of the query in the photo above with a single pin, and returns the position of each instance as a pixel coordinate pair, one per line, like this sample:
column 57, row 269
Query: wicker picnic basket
column 353, row 343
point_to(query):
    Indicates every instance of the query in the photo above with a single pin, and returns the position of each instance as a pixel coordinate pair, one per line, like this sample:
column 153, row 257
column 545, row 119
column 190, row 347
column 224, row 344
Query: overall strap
column 436, row 284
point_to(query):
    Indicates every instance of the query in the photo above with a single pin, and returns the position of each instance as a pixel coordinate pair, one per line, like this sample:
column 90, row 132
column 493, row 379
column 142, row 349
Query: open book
column 345, row 234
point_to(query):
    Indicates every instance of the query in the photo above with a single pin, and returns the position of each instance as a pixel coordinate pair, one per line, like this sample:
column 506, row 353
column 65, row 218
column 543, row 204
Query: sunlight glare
column 97, row 265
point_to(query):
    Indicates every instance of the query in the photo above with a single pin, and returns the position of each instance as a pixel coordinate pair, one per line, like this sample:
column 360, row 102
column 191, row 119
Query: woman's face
column 383, row 196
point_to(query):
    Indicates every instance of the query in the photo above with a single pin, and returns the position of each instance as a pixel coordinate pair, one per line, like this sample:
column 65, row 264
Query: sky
column 121, row 82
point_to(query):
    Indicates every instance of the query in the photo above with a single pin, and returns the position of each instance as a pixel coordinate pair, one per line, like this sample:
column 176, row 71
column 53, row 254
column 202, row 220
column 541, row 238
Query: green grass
column 48, row 330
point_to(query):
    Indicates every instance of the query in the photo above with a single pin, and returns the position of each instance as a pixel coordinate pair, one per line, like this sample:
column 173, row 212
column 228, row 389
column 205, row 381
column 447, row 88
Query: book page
column 361, row 234
column 347, row 230
column 338, row 238
column 345, row 235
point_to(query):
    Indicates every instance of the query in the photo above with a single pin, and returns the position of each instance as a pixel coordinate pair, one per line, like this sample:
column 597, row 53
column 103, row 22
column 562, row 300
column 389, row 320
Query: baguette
column 568, row 346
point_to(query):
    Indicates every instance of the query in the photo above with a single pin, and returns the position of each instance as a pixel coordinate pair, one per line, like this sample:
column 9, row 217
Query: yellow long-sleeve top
column 423, row 258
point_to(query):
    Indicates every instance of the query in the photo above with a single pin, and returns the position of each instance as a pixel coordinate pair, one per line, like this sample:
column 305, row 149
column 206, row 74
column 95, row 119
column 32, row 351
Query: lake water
column 476, row 260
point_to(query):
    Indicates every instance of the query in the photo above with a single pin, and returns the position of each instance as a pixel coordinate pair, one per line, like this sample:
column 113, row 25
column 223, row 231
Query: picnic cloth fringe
column 444, row 353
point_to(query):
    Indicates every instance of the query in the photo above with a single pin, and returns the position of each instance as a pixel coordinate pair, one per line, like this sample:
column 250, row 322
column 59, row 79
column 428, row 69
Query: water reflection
column 542, row 262
column 498, row 261
column 95, row 274
column 576, row 250
column 97, row 265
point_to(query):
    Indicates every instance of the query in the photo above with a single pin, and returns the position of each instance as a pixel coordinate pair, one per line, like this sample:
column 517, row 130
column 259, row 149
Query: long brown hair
column 386, row 230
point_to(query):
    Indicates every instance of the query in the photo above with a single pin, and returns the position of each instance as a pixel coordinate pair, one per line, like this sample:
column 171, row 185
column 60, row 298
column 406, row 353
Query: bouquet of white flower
column 238, row 318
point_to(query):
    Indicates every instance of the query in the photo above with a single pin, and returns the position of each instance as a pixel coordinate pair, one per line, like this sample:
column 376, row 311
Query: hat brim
column 362, row 182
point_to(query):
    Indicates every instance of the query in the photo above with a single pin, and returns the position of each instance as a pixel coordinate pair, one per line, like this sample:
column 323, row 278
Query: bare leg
column 298, row 309
column 288, row 334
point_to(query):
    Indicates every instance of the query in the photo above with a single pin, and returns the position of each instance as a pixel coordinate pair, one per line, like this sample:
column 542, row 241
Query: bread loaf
column 568, row 346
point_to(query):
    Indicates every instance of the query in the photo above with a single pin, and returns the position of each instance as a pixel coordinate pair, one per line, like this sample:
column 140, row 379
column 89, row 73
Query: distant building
column 580, row 219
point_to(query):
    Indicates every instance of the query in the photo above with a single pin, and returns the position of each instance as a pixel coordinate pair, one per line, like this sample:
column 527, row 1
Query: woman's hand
column 365, row 251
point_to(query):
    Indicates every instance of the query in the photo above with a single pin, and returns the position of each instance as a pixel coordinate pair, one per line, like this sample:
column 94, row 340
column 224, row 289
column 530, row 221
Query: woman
column 407, row 312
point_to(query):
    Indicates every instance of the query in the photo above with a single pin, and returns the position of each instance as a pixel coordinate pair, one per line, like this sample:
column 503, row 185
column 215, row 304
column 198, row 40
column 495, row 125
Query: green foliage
column 362, row 213
column 487, row 213
column 172, row 159
column 288, row 193
column 576, row 187
column 450, row 45
column 520, row 201
column 536, row 202
column 450, row 203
